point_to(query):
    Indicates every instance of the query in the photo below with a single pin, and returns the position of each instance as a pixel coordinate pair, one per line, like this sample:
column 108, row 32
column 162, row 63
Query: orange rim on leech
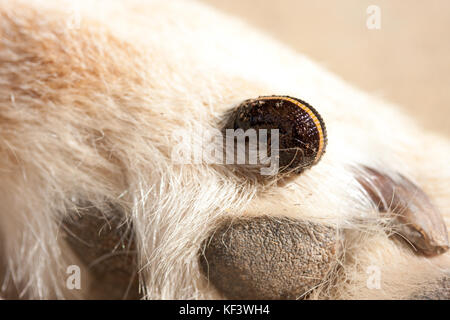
column 314, row 116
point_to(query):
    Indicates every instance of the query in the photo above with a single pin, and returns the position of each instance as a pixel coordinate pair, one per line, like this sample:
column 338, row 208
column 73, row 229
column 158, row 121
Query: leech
column 415, row 217
column 302, row 132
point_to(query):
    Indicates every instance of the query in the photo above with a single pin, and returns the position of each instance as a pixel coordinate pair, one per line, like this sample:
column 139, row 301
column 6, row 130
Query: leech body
column 302, row 131
column 314, row 116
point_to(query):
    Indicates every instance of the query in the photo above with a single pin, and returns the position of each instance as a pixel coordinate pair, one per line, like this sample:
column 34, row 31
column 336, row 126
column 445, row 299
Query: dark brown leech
column 303, row 136
column 264, row 258
column 416, row 218
column 107, row 246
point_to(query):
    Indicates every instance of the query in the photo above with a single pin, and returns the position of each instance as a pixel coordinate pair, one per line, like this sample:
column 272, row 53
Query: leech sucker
column 302, row 132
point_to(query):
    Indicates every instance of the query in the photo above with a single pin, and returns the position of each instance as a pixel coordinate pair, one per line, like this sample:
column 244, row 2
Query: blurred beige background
column 407, row 61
